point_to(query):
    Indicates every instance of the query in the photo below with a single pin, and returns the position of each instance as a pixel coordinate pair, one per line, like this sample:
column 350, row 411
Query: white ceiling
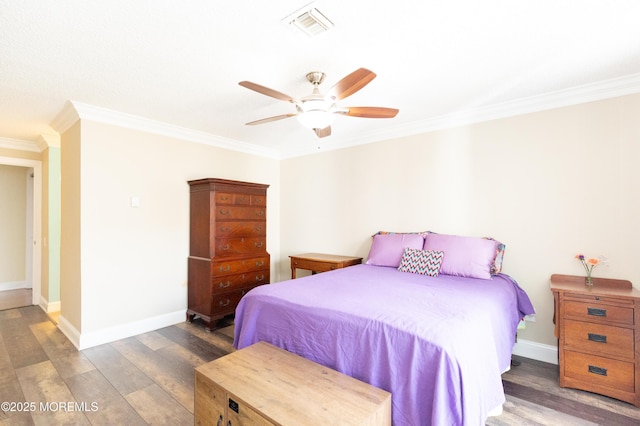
column 179, row 63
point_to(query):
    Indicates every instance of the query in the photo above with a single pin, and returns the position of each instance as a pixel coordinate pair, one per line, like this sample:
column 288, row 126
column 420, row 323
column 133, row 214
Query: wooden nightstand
column 318, row 262
column 598, row 335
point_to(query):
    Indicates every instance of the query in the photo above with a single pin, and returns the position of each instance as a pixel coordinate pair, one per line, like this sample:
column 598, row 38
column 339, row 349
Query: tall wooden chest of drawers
column 227, row 246
column 598, row 336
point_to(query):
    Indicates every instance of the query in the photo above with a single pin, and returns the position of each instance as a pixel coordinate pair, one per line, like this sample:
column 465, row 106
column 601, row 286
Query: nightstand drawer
column 599, row 339
column 610, row 373
column 314, row 265
column 598, row 312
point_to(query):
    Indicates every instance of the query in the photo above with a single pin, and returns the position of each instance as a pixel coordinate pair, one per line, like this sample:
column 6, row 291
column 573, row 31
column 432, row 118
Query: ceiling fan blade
column 351, row 83
column 369, row 112
column 269, row 119
column 323, row 133
column 266, row 91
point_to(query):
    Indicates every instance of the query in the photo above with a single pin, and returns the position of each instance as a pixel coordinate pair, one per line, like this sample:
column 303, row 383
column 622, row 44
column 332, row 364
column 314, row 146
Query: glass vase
column 588, row 280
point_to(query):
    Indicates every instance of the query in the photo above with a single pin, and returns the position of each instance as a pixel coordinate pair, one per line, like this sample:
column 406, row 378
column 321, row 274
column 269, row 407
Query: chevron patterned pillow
column 424, row 262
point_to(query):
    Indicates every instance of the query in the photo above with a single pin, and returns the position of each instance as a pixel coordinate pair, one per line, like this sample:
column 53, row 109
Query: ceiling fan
column 317, row 111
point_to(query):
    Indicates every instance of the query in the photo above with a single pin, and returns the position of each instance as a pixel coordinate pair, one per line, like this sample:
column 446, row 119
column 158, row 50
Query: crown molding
column 66, row 118
column 74, row 111
column 601, row 90
column 627, row 85
column 48, row 141
column 20, row 145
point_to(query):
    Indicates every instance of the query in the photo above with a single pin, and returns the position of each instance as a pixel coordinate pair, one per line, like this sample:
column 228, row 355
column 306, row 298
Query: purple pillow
column 387, row 249
column 463, row 256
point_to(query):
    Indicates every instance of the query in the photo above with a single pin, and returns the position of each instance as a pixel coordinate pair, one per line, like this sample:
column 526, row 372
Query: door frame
column 36, row 245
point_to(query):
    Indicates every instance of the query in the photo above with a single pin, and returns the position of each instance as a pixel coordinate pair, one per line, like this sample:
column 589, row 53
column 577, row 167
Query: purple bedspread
column 439, row 345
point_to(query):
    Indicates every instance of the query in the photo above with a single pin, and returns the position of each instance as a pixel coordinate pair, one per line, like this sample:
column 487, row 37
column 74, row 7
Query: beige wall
column 549, row 185
column 130, row 264
column 70, row 228
column 13, row 225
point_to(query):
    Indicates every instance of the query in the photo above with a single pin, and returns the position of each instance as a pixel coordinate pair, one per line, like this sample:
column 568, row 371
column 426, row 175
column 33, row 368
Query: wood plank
column 220, row 341
column 41, row 383
column 173, row 375
column 156, row 407
column 21, row 345
column 17, row 298
column 204, row 349
column 61, row 352
column 106, row 405
column 117, row 369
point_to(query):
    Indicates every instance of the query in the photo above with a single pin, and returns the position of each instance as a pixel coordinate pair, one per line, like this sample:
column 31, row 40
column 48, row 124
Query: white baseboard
column 87, row 340
column 49, row 307
column 14, row 285
column 537, row 351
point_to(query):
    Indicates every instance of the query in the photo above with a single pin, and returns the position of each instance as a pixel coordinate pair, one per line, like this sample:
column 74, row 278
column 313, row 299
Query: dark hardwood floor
column 149, row 379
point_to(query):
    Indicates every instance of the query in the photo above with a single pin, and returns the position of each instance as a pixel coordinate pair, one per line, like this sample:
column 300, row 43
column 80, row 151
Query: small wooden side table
column 318, row 262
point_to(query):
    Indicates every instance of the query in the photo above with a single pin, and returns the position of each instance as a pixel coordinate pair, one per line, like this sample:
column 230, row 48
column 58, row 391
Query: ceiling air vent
column 309, row 20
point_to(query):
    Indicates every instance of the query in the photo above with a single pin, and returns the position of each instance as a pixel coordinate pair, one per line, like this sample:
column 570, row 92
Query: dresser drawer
column 240, row 199
column 240, row 246
column 241, row 229
column 599, row 339
column 598, row 312
column 240, row 213
column 226, row 302
column 610, row 373
column 231, row 267
column 231, row 282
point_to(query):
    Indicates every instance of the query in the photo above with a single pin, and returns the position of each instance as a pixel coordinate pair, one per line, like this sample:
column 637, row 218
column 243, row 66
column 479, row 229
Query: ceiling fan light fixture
column 316, row 119
column 316, row 113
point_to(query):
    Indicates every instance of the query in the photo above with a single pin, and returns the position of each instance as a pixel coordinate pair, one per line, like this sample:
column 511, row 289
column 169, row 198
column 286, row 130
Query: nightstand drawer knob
column 597, row 338
column 597, row 370
column 596, row 312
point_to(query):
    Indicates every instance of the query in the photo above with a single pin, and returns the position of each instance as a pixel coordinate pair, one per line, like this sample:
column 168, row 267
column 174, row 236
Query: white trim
column 74, row 111
column 14, row 285
column 537, row 351
column 36, row 266
column 70, row 331
column 87, row 340
column 605, row 89
column 49, row 307
column 20, row 145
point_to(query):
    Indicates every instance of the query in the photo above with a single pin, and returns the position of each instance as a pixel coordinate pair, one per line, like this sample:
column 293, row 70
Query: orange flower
column 589, row 264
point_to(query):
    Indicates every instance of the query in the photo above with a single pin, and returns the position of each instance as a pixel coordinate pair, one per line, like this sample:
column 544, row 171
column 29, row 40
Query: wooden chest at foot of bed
column 266, row 385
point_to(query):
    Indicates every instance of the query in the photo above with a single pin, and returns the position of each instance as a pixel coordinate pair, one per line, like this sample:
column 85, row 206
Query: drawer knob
column 260, row 278
column 225, row 285
column 597, row 370
column 596, row 312
column 259, row 244
column 225, row 303
column 225, row 268
column 259, row 264
column 597, row 338
column 224, row 248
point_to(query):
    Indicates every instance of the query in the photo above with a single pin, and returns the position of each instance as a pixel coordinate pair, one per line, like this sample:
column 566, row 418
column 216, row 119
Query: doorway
column 21, row 286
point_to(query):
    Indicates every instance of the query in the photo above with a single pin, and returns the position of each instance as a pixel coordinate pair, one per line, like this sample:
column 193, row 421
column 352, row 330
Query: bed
column 438, row 343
